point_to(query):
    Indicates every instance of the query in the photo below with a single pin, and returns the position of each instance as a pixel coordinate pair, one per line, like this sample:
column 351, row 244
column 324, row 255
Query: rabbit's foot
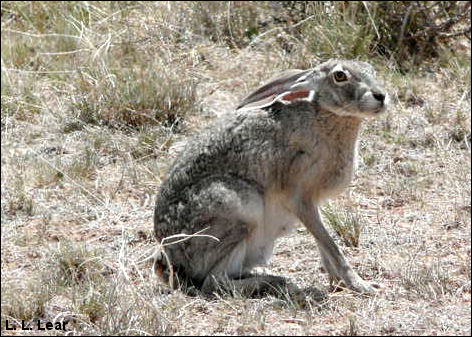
column 364, row 287
column 355, row 283
column 248, row 286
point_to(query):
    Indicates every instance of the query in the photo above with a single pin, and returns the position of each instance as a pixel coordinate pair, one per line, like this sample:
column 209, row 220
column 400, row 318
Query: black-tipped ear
column 289, row 86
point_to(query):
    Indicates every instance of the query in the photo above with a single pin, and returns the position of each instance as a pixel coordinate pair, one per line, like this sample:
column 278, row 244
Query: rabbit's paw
column 363, row 287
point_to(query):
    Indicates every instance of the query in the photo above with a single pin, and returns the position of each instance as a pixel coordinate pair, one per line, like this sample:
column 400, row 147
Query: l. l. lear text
column 35, row 325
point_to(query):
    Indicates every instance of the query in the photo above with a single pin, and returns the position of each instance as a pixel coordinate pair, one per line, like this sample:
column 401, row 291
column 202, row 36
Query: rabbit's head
column 347, row 88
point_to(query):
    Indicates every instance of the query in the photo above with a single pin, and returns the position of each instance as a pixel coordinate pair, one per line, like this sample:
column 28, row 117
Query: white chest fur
column 277, row 222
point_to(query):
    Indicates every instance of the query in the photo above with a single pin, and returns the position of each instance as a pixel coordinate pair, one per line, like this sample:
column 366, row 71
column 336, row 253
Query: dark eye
column 340, row 76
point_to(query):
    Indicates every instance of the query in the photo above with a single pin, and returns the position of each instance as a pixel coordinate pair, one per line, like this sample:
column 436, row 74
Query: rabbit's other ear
column 289, row 86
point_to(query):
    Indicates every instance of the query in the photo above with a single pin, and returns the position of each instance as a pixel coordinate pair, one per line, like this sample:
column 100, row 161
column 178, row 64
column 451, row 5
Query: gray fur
column 253, row 175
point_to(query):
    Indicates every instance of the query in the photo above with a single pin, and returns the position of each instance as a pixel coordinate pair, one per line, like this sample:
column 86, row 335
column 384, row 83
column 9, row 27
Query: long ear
column 290, row 85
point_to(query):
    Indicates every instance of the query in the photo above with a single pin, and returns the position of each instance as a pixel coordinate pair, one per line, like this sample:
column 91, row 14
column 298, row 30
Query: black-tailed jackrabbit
column 247, row 180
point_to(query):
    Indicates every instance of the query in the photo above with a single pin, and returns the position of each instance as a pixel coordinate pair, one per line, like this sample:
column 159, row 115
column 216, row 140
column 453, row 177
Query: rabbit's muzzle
column 374, row 102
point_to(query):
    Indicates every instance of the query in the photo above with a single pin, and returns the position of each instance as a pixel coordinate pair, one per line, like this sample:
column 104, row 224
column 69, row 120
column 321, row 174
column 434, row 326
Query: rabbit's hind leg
column 229, row 214
column 254, row 285
column 248, row 285
column 225, row 212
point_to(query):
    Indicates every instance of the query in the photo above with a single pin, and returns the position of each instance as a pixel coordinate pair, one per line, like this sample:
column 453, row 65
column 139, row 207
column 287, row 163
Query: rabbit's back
column 245, row 147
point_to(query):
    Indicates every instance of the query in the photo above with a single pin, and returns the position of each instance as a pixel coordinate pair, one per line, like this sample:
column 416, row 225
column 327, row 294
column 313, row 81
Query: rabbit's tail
column 164, row 268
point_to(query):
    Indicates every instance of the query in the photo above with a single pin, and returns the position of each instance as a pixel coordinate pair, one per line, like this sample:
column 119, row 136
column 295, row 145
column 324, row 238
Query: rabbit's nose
column 379, row 96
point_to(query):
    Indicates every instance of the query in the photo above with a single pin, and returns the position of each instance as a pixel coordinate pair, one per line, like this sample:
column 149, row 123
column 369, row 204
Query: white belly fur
column 277, row 221
column 268, row 220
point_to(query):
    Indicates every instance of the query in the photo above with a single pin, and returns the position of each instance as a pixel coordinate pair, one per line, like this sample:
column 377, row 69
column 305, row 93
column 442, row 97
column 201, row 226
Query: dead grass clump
column 144, row 94
column 431, row 281
column 346, row 223
column 74, row 264
column 23, row 300
column 19, row 201
column 232, row 23
column 76, row 274
column 105, row 78
column 336, row 30
column 19, row 99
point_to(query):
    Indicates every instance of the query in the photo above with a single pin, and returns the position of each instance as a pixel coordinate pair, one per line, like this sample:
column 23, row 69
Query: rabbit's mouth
column 361, row 110
column 373, row 112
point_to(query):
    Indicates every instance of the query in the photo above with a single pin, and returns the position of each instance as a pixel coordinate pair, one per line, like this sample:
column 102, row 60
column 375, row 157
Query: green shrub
column 404, row 32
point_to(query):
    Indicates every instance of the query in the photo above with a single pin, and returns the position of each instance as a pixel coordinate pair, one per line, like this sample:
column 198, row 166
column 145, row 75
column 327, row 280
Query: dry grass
column 98, row 98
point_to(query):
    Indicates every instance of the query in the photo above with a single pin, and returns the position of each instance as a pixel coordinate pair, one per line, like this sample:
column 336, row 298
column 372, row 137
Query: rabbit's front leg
column 332, row 257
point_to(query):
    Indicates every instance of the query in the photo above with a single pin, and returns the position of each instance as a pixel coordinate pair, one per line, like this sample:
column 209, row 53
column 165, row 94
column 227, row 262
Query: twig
column 447, row 35
column 21, row 71
column 64, row 52
column 404, row 23
column 186, row 237
column 229, row 23
column 371, row 19
column 402, row 32
column 40, row 35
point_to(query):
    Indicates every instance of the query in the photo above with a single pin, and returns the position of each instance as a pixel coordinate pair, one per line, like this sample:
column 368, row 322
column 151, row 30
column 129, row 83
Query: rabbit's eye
column 340, row 76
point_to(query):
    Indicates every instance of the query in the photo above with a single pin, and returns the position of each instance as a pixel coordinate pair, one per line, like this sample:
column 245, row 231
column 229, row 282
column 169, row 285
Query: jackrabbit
column 244, row 182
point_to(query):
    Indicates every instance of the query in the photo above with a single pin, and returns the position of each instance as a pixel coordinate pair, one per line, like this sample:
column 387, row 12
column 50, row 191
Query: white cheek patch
column 368, row 99
column 387, row 100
